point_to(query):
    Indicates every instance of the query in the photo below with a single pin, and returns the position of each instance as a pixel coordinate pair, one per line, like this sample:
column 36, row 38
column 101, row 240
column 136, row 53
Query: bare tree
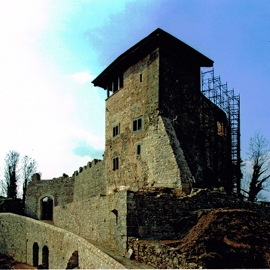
column 11, row 174
column 3, row 191
column 259, row 157
column 29, row 167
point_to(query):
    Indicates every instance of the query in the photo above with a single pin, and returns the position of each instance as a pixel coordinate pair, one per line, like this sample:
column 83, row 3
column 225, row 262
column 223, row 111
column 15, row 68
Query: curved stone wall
column 26, row 239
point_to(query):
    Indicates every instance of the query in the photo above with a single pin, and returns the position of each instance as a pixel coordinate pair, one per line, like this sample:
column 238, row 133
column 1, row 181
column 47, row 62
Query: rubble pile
column 228, row 239
column 221, row 238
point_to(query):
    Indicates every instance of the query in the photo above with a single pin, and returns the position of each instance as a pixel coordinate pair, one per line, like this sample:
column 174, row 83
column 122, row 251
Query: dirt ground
column 7, row 262
column 227, row 239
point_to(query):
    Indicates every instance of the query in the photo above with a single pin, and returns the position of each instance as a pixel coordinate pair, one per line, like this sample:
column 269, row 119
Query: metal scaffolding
column 226, row 100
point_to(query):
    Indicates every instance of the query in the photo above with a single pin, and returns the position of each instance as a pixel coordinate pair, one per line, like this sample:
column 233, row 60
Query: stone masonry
column 60, row 190
column 20, row 236
column 131, row 102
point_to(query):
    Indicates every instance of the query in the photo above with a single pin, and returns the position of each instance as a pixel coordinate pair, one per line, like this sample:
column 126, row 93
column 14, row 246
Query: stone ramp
column 128, row 263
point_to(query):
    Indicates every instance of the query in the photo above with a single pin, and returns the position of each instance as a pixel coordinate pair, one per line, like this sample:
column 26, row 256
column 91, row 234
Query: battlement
column 89, row 180
column 89, row 165
column 36, row 178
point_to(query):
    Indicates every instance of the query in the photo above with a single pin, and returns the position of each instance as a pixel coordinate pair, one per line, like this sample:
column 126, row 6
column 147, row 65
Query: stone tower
column 160, row 130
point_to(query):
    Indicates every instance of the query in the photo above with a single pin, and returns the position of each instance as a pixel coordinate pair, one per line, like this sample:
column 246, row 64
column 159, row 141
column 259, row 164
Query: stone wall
column 195, row 120
column 137, row 98
column 19, row 234
column 179, row 126
column 162, row 214
column 100, row 219
column 11, row 205
column 158, row 154
column 85, row 183
column 60, row 190
column 160, row 220
column 157, row 163
column 89, row 180
column 158, row 256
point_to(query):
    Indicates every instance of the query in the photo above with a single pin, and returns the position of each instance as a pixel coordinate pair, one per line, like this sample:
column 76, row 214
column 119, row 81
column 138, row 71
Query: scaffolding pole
column 227, row 101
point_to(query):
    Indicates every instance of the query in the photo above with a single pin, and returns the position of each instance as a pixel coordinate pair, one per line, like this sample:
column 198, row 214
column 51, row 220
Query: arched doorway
column 47, row 208
column 45, row 257
column 35, row 254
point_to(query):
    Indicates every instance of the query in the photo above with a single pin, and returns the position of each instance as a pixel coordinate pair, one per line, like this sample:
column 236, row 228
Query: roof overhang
column 157, row 39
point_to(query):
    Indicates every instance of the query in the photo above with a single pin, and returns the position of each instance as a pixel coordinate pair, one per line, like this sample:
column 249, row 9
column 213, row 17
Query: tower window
column 138, row 149
column 116, row 215
column 221, row 129
column 115, row 163
column 141, row 77
column 116, row 130
column 118, row 83
column 121, row 80
column 115, row 85
column 137, row 124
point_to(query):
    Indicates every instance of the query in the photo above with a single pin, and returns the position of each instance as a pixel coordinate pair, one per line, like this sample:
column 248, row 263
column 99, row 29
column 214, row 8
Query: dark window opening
column 45, row 257
column 115, row 163
column 118, row 83
column 137, row 124
column 134, row 125
column 221, row 129
column 116, row 215
column 141, row 77
column 115, row 85
column 116, row 130
column 35, row 254
column 121, row 81
column 138, row 150
column 47, row 208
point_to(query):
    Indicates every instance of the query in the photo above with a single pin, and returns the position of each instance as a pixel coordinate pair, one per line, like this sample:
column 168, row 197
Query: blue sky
column 50, row 50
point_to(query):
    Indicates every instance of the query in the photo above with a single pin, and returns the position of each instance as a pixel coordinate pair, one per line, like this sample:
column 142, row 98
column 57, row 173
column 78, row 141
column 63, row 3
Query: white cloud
column 88, row 137
column 38, row 108
column 45, row 112
column 82, row 77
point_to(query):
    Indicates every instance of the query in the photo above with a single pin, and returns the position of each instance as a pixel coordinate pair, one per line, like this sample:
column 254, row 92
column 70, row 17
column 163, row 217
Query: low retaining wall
column 157, row 255
column 18, row 235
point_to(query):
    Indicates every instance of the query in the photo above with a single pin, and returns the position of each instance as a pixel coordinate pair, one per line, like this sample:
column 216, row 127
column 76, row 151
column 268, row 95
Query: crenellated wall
column 19, row 234
column 89, row 180
column 81, row 205
column 85, row 183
